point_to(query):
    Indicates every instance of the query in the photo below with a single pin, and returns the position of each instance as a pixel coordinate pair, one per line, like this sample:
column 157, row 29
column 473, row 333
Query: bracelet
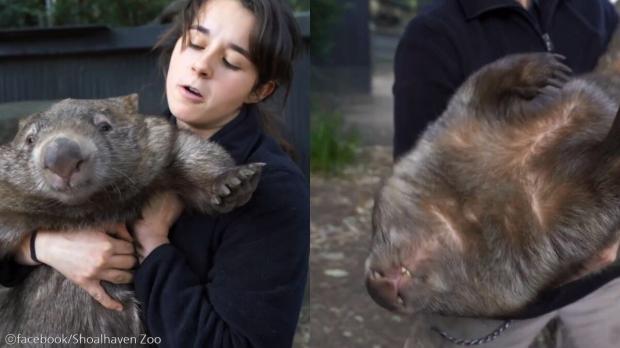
column 33, row 253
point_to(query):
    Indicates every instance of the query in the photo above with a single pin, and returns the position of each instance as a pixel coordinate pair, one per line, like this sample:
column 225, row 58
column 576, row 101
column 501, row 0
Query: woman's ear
column 261, row 92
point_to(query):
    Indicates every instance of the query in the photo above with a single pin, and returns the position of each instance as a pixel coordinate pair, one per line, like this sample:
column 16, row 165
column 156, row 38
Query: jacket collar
column 474, row 8
column 241, row 135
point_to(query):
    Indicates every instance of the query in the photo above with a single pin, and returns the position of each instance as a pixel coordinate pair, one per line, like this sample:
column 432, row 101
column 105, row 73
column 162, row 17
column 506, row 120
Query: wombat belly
column 48, row 306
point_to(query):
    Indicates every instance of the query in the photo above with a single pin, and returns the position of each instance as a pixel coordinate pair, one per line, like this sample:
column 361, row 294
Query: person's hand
column 598, row 262
column 157, row 218
column 86, row 257
column 603, row 259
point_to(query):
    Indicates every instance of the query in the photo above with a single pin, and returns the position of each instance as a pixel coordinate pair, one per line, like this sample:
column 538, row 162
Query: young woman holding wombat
column 235, row 280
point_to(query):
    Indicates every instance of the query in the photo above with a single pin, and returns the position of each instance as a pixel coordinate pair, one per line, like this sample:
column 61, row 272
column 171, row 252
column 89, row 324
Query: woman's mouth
column 191, row 93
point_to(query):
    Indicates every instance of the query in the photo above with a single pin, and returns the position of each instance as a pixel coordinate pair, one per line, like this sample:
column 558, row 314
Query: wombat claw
column 542, row 71
column 235, row 186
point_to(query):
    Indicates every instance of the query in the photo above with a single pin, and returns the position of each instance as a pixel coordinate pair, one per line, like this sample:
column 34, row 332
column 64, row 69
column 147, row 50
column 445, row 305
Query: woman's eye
column 194, row 46
column 230, row 66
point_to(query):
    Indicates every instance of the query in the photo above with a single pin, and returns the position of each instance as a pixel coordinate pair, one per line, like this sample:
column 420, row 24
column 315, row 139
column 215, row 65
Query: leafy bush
column 32, row 13
column 109, row 12
column 300, row 5
column 26, row 13
column 324, row 13
column 332, row 147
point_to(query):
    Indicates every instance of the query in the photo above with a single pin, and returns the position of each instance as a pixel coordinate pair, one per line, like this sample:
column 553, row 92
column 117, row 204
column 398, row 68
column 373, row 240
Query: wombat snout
column 386, row 286
column 65, row 162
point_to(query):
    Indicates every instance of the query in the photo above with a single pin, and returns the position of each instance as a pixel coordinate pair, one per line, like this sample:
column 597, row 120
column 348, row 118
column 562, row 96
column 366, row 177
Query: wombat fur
column 88, row 163
column 510, row 192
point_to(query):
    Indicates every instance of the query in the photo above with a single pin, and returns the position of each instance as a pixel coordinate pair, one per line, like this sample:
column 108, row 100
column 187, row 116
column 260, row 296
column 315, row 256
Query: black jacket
column 236, row 280
column 452, row 39
column 449, row 41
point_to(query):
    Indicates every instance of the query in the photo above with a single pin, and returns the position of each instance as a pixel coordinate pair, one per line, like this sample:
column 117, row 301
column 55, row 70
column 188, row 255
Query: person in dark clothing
column 440, row 48
column 233, row 280
column 447, row 42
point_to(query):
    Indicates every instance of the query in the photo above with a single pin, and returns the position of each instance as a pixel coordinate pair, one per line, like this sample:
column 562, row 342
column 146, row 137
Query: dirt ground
column 340, row 312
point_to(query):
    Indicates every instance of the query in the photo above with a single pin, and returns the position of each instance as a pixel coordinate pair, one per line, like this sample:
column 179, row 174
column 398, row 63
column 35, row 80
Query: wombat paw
column 540, row 73
column 234, row 187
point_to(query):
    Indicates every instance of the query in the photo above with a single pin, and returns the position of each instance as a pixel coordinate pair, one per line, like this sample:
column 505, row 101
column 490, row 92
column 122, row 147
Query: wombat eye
column 104, row 127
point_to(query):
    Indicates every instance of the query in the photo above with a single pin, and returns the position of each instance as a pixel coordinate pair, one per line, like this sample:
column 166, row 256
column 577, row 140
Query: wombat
column 508, row 193
column 88, row 163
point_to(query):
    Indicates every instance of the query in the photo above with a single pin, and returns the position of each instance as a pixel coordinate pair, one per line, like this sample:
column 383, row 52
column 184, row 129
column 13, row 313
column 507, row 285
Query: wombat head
column 77, row 148
column 418, row 260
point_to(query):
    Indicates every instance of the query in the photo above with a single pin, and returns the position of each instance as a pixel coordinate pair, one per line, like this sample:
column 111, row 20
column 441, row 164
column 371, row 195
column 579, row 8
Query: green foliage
column 325, row 14
column 332, row 147
column 25, row 13
column 300, row 5
column 109, row 12
column 32, row 13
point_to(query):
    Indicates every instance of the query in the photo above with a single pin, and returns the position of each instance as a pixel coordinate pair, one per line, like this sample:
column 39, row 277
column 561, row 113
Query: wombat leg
column 523, row 76
column 234, row 187
column 206, row 178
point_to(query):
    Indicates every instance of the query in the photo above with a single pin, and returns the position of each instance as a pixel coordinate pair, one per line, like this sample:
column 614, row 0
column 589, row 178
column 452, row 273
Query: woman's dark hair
column 275, row 42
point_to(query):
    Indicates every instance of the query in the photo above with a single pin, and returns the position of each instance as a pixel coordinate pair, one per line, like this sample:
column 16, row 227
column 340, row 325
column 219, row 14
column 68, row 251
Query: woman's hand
column 598, row 262
column 602, row 259
column 157, row 218
column 86, row 257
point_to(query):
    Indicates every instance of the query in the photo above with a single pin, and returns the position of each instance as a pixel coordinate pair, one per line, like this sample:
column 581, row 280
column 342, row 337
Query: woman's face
column 211, row 78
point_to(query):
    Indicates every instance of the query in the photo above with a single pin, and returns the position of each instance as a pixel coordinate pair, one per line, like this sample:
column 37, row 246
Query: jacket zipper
column 548, row 44
column 537, row 28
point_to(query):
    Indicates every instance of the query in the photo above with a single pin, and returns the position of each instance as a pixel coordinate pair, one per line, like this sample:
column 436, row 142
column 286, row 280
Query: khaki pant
column 592, row 322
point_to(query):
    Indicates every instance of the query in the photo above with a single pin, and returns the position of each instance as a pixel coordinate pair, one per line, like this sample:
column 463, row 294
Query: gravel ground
column 341, row 312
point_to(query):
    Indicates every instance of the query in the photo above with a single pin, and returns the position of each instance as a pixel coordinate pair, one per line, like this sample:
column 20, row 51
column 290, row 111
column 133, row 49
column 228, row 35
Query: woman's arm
column 256, row 285
column 85, row 257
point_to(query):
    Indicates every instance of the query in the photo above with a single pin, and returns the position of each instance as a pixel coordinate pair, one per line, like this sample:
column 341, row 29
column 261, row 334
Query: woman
column 234, row 280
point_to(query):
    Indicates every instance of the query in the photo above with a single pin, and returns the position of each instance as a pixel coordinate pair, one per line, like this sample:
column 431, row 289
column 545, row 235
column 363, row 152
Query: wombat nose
column 63, row 157
column 385, row 286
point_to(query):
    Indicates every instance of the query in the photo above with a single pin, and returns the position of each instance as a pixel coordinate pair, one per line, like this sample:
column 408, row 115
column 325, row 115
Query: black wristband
column 33, row 253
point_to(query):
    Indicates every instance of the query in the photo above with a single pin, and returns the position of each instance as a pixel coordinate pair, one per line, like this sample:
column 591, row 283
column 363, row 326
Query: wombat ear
column 128, row 103
column 22, row 121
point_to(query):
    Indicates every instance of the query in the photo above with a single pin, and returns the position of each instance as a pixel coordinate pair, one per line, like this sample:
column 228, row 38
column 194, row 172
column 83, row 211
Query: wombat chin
column 72, row 197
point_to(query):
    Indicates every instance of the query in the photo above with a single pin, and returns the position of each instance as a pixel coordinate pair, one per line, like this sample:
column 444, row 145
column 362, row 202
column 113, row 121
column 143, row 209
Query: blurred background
column 353, row 46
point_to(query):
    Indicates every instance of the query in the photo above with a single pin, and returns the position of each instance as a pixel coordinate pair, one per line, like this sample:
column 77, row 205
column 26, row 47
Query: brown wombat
column 509, row 192
column 89, row 163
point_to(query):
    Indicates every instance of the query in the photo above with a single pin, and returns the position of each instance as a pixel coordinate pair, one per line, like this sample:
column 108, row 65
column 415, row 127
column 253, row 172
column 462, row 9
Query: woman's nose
column 202, row 66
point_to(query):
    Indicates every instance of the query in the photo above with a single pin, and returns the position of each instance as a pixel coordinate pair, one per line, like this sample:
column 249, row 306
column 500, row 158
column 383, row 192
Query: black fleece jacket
column 235, row 280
